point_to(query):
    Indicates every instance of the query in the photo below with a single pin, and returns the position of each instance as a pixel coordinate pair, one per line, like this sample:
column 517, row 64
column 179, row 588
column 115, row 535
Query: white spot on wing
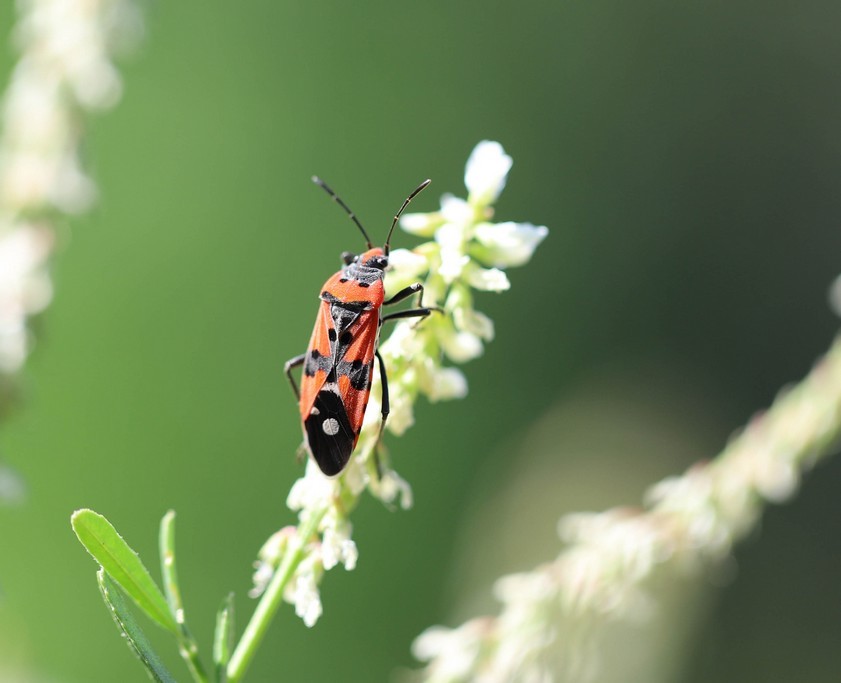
column 330, row 426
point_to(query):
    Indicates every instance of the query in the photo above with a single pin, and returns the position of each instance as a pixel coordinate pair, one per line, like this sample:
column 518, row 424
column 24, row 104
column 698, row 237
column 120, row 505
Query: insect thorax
column 362, row 274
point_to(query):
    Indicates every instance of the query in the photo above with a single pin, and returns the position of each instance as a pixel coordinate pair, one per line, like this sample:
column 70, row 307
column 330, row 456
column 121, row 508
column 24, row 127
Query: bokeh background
column 685, row 157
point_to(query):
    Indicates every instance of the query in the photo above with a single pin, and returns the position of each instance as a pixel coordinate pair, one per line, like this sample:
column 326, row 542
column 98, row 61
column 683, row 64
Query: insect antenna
column 414, row 194
column 336, row 198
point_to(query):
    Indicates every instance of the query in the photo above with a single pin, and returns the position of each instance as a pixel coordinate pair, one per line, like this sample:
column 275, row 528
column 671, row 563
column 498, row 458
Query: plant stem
column 269, row 603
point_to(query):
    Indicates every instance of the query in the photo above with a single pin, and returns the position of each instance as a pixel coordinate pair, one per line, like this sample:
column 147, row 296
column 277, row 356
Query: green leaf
column 223, row 638
column 187, row 644
column 122, row 564
column 166, row 547
column 135, row 638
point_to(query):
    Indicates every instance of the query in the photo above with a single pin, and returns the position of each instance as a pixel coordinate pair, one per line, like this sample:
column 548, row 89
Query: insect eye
column 378, row 262
column 348, row 257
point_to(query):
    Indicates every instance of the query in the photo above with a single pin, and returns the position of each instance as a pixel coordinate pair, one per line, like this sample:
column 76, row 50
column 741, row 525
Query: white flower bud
column 453, row 264
column 269, row 557
column 460, row 347
column 393, row 485
column 313, row 490
column 486, row 279
column 423, row 224
column 337, row 546
column 444, row 384
column 477, row 323
column 304, row 592
column 508, row 244
column 401, row 416
column 457, row 211
column 486, row 171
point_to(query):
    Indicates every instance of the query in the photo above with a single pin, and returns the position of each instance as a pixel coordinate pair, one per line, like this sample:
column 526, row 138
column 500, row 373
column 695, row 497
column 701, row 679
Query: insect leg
column 385, row 411
column 420, row 312
column 410, row 313
column 406, row 292
column 385, row 405
column 287, row 368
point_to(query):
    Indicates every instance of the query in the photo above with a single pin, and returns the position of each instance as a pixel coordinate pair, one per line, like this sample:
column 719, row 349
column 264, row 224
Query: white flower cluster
column 552, row 617
column 64, row 71
column 467, row 252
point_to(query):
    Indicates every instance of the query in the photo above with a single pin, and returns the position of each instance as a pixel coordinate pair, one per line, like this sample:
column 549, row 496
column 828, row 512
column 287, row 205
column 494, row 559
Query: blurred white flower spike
column 65, row 72
column 467, row 252
column 558, row 621
column 25, row 289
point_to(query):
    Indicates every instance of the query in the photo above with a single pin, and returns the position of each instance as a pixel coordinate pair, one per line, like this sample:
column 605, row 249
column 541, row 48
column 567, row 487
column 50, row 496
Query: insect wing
column 336, row 385
column 357, row 367
column 318, row 360
column 330, row 436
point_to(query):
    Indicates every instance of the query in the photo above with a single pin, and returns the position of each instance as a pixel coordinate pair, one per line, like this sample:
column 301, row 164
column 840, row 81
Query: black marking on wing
column 330, row 447
column 353, row 306
column 343, row 320
column 358, row 372
column 315, row 362
column 340, row 337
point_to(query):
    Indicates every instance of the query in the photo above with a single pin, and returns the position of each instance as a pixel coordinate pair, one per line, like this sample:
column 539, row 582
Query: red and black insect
column 339, row 362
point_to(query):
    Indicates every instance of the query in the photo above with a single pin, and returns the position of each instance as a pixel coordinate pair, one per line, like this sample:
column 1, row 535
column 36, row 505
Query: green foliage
column 121, row 570
column 223, row 638
column 123, row 565
column 135, row 638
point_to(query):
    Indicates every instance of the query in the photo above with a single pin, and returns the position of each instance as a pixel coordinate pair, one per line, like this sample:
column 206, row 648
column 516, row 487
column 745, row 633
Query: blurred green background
column 685, row 157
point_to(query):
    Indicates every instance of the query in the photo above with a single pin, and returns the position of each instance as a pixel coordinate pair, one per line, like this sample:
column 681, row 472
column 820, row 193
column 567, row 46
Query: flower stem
column 269, row 603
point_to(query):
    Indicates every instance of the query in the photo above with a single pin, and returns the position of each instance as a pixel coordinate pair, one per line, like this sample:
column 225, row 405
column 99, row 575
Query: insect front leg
column 411, row 313
column 287, row 368
column 405, row 293
column 420, row 312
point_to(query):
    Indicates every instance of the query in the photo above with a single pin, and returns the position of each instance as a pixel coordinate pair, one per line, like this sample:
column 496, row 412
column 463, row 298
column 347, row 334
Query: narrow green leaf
column 188, row 646
column 135, row 638
column 223, row 638
column 122, row 564
column 166, row 547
